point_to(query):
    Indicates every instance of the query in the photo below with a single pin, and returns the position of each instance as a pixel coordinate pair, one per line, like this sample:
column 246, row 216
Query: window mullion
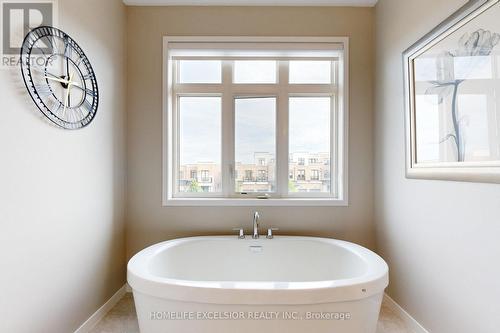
column 282, row 132
column 334, row 149
column 341, row 130
column 175, row 133
column 228, row 167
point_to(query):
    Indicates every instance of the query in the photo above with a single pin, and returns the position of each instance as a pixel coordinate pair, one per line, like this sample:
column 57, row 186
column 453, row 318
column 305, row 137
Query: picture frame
column 452, row 98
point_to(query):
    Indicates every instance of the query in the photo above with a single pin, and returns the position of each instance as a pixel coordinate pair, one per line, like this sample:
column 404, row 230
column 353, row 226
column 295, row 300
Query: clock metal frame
column 56, row 89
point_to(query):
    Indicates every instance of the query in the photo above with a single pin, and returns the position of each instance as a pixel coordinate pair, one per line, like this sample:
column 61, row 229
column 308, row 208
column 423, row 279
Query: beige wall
column 149, row 222
column 62, row 251
column 439, row 238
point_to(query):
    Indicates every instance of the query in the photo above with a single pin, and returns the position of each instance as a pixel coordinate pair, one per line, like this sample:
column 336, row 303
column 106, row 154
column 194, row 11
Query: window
column 205, row 176
column 255, row 137
column 255, row 118
column 260, row 71
column 310, row 72
column 193, row 71
column 199, row 141
column 311, row 134
column 248, row 176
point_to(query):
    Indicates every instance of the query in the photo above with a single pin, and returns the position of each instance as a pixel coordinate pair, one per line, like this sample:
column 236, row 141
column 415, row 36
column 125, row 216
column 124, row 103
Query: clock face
column 59, row 78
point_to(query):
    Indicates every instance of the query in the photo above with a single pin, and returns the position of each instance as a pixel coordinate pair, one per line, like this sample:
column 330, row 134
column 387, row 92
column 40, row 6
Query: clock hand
column 67, row 67
column 72, row 83
column 57, row 79
column 65, row 103
column 45, row 73
column 53, row 77
column 66, row 53
column 69, row 83
column 76, row 85
column 66, row 99
column 70, row 78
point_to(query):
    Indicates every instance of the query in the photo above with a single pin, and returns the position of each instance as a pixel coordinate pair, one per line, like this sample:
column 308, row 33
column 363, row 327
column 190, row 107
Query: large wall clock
column 59, row 77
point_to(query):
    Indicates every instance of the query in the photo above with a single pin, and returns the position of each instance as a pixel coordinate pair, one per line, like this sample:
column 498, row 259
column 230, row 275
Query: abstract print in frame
column 452, row 79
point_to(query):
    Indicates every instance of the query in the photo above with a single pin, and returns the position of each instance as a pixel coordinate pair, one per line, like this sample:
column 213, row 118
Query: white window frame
column 340, row 158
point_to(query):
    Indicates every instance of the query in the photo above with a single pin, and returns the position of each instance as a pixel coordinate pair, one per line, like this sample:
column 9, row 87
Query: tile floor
column 122, row 319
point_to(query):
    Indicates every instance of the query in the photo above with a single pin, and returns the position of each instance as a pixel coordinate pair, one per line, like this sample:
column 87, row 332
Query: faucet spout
column 256, row 218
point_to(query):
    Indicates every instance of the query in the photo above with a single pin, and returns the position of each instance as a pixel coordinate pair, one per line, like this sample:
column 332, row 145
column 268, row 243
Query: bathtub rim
column 373, row 282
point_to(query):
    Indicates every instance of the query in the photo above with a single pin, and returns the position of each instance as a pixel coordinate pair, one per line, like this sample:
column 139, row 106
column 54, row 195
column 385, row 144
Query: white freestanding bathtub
column 230, row 285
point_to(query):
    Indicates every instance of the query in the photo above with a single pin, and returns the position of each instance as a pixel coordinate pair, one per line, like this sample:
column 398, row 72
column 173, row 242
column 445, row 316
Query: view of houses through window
column 309, row 172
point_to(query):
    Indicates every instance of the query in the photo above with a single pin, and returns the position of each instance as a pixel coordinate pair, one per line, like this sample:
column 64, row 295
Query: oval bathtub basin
column 286, row 284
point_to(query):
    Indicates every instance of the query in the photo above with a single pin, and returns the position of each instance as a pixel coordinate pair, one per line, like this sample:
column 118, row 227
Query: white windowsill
column 220, row 202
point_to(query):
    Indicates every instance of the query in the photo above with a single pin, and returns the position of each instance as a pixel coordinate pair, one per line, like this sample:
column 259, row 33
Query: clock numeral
column 81, row 114
column 89, row 92
column 50, row 104
column 68, row 116
column 87, row 105
column 53, row 105
column 59, row 108
column 51, row 43
column 68, row 49
column 40, row 71
column 79, row 60
column 43, row 90
column 41, row 51
column 76, row 115
column 37, row 41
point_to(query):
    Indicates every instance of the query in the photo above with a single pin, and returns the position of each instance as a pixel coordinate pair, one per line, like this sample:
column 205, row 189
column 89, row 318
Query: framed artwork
column 452, row 79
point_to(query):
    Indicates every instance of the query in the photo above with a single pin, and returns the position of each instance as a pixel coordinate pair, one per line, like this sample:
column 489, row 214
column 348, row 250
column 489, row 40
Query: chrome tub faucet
column 256, row 217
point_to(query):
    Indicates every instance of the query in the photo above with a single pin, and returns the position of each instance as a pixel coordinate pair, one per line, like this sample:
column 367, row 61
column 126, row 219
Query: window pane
column 255, row 144
column 200, row 144
column 309, row 161
column 250, row 71
column 200, row 71
column 310, row 72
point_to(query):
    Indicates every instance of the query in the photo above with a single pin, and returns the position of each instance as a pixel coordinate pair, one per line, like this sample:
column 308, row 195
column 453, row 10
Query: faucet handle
column 270, row 232
column 241, row 233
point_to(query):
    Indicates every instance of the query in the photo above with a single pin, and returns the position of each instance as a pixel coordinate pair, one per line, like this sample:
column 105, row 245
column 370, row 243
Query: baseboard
column 101, row 312
column 405, row 316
